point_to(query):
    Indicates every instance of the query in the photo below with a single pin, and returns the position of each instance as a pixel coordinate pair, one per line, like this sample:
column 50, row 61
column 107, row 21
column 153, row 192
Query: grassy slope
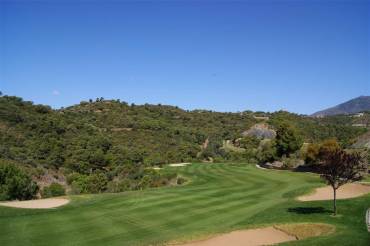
column 220, row 198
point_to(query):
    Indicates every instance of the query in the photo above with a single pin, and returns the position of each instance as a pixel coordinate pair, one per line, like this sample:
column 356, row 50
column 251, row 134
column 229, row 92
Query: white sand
column 179, row 164
column 252, row 237
column 258, row 166
column 41, row 203
column 344, row 192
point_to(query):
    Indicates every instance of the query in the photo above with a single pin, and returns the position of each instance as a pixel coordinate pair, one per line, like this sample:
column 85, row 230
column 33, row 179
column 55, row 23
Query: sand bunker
column 268, row 235
column 41, row 203
column 179, row 164
column 258, row 166
column 252, row 237
column 344, row 192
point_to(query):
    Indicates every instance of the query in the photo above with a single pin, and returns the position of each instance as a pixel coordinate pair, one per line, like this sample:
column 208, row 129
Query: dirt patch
column 252, row 237
column 120, row 129
column 179, row 164
column 41, row 203
column 344, row 192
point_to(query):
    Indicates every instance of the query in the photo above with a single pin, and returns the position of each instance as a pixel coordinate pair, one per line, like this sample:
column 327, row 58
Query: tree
column 266, row 152
column 315, row 152
column 339, row 167
column 15, row 183
column 287, row 140
column 311, row 154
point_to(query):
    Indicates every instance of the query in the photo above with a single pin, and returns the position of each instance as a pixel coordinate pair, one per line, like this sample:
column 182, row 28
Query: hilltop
column 356, row 105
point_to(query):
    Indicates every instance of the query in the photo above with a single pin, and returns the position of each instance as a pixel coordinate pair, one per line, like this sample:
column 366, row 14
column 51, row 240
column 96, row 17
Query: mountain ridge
column 353, row 106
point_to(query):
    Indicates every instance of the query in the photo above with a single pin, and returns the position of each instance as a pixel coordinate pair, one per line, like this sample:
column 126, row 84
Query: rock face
column 356, row 105
column 363, row 141
column 260, row 130
column 274, row 165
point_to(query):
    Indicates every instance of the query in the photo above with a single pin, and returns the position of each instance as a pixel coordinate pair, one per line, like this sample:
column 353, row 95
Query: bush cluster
column 16, row 184
column 53, row 190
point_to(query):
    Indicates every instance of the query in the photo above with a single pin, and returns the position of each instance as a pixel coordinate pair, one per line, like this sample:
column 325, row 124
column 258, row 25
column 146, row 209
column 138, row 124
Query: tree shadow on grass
column 309, row 210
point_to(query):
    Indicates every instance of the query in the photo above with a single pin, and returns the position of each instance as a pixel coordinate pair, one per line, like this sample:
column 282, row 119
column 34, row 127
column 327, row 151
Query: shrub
column 52, row 190
column 72, row 177
column 249, row 142
column 266, row 151
column 287, row 140
column 94, row 183
column 311, row 154
column 78, row 183
column 291, row 162
column 97, row 183
column 121, row 185
column 15, row 183
column 317, row 151
column 180, row 180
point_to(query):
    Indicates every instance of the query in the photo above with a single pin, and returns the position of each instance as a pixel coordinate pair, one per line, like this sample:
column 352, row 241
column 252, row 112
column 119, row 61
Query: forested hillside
column 115, row 143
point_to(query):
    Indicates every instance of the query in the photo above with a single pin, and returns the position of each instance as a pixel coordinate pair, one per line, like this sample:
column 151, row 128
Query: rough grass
column 367, row 178
column 220, row 198
column 306, row 230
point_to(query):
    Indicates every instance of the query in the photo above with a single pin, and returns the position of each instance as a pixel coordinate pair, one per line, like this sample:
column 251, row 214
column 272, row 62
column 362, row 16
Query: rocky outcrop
column 261, row 130
column 363, row 141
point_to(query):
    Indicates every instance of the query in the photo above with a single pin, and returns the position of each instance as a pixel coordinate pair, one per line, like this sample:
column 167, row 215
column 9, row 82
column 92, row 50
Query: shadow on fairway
column 309, row 210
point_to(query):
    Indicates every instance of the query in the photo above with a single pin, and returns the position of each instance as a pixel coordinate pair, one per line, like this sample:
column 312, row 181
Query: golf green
column 218, row 198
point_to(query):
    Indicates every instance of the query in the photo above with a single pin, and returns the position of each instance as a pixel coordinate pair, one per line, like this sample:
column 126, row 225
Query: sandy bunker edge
column 346, row 191
column 264, row 236
column 37, row 204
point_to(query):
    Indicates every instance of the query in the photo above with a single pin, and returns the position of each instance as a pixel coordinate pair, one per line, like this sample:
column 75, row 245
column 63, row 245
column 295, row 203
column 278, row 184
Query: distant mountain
column 356, row 105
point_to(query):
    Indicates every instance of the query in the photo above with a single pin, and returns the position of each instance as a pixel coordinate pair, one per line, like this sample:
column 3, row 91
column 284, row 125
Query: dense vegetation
column 15, row 183
column 108, row 145
column 52, row 190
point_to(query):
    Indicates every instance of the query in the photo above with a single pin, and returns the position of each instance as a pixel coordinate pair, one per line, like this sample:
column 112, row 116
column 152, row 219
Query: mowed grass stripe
column 218, row 197
column 233, row 191
column 236, row 196
column 208, row 195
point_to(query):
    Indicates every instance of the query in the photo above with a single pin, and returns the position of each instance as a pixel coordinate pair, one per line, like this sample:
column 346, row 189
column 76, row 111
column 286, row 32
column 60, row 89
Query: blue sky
column 300, row 56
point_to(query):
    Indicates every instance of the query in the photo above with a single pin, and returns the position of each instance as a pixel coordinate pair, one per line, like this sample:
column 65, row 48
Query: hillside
column 114, row 144
column 356, row 105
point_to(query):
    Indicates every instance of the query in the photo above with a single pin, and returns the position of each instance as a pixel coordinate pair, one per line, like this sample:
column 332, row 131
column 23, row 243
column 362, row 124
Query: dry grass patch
column 302, row 231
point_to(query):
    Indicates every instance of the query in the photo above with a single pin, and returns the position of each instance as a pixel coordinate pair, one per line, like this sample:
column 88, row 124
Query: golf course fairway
column 218, row 198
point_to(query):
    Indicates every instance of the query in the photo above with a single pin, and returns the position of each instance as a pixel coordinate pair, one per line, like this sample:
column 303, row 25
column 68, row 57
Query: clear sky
column 300, row 56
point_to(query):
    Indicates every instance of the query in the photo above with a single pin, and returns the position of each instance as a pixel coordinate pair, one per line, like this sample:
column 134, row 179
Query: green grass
column 366, row 179
column 219, row 198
